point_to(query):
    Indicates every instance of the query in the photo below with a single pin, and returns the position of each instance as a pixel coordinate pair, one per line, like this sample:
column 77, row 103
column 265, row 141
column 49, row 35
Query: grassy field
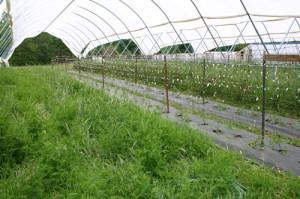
column 232, row 84
column 63, row 139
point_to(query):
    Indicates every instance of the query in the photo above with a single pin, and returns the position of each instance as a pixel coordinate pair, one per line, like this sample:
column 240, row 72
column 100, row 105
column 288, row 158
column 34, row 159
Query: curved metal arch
column 275, row 48
column 142, row 22
column 82, row 33
column 79, row 51
column 206, row 26
column 84, row 44
column 104, row 22
column 119, row 20
column 88, row 28
column 66, row 41
column 169, row 22
column 297, row 22
column 59, row 15
column 219, row 37
column 93, row 23
column 90, row 32
column 107, row 24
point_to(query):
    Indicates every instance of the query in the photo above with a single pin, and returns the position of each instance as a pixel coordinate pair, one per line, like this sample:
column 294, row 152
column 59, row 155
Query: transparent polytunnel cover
column 151, row 24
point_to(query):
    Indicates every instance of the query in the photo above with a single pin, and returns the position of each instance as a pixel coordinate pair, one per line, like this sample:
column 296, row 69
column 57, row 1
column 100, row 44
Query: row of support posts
column 268, row 58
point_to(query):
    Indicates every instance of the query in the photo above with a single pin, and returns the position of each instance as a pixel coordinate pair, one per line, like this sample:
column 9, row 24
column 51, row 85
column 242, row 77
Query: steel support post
column 263, row 104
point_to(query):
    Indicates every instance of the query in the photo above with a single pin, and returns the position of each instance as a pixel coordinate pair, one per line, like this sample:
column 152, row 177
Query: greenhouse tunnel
column 150, row 24
column 226, row 68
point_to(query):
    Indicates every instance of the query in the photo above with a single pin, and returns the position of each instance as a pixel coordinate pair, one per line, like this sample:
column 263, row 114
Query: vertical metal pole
column 263, row 104
column 135, row 69
column 102, row 71
column 203, row 92
column 166, row 78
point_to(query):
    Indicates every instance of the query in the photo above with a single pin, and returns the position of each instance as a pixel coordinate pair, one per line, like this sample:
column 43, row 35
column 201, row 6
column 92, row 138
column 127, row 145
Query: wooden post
column 204, row 85
column 79, row 65
column 277, row 58
column 135, row 69
column 66, row 63
column 102, row 71
column 166, row 78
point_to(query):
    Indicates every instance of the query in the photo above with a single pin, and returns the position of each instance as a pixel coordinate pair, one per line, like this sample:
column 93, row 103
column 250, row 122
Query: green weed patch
column 63, row 139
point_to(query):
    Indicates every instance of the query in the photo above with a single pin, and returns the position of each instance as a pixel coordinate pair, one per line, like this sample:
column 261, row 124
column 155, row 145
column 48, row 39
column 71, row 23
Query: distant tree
column 125, row 46
column 237, row 47
column 177, row 49
column 39, row 50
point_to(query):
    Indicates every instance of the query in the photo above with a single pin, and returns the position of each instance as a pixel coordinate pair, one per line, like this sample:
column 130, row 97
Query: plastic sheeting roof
column 153, row 24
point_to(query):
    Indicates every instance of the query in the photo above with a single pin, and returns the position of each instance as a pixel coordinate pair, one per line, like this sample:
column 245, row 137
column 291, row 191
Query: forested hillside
column 39, row 50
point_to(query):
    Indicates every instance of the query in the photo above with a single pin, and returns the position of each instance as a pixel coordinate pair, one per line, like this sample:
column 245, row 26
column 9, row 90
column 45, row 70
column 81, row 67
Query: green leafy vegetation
column 237, row 47
column 230, row 84
column 62, row 139
column 115, row 48
column 175, row 49
column 39, row 50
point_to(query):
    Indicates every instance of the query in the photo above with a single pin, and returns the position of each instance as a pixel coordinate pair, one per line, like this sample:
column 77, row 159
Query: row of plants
column 232, row 84
column 64, row 139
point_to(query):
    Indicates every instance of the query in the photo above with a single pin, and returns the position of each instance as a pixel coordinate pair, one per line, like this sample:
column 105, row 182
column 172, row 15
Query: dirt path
column 228, row 137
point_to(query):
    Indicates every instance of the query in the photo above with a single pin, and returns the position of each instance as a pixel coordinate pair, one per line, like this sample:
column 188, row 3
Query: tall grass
column 63, row 139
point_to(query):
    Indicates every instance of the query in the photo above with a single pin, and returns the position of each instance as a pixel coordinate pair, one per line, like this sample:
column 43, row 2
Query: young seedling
column 239, row 111
column 277, row 140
